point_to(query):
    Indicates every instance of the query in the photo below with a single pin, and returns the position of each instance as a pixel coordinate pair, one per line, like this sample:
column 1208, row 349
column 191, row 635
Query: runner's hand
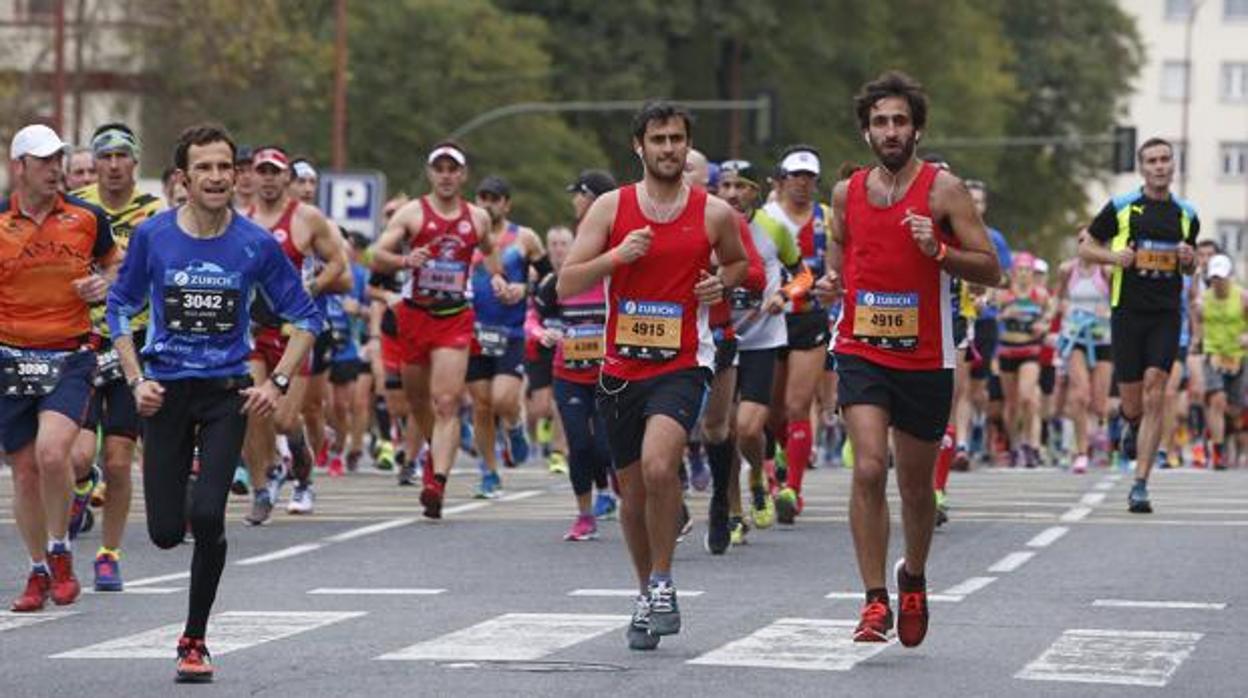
column 635, row 246
column 1187, row 256
column 709, row 289
column 416, row 258
column 828, row 288
column 775, row 304
column 923, row 233
column 513, row 293
column 92, row 289
column 1126, row 258
column 260, row 401
column 148, row 397
column 550, row 336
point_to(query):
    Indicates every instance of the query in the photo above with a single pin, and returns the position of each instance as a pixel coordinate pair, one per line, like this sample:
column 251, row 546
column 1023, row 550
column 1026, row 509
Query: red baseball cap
column 271, row 156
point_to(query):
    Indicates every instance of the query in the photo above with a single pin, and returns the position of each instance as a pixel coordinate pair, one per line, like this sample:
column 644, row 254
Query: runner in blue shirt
column 199, row 266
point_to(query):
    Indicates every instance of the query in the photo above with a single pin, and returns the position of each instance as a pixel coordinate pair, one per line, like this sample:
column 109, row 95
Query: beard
column 655, row 165
column 893, row 162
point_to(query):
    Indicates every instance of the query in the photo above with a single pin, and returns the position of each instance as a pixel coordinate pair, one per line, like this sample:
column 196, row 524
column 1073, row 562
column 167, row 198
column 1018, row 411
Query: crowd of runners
column 724, row 326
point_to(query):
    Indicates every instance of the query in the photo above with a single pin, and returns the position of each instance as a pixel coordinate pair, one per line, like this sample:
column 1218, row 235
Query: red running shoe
column 38, row 586
column 194, row 661
column 65, row 588
column 431, row 499
column 336, row 467
column 911, row 610
column 876, row 623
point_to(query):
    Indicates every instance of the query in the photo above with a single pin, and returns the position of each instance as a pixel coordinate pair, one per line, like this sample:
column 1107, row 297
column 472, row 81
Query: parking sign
column 353, row 200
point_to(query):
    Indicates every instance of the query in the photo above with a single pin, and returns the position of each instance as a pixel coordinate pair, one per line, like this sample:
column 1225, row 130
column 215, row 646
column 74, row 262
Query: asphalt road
column 1045, row 586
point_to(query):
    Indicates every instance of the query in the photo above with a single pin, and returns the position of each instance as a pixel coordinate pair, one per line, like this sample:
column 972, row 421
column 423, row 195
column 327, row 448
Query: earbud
column 866, row 137
column 918, row 135
column 638, row 151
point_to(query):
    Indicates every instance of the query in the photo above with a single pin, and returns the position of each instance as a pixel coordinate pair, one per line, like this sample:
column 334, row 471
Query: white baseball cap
column 37, row 140
column 1040, row 266
column 800, row 161
column 448, row 151
column 1220, row 266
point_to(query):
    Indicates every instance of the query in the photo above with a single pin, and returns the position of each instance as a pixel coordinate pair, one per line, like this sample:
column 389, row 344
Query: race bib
column 1226, row 365
column 648, row 330
column 442, row 278
column 1157, row 259
column 202, row 302
column 493, row 339
column 887, row 320
column 108, row 368
column 29, row 374
column 583, row 346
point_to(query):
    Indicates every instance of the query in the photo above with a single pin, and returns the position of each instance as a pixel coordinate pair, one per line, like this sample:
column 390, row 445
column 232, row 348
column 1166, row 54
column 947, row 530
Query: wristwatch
column 135, row 382
column 282, row 381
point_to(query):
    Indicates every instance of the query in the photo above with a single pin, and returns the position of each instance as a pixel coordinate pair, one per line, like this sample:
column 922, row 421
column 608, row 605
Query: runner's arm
column 384, row 255
column 336, row 276
column 721, row 224
column 126, row 298
column 284, row 291
column 755, row 275
column 976, row 258
column 589, row 261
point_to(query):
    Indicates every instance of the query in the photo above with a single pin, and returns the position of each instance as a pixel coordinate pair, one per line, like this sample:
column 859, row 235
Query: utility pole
column 734, row 93
column 58, row 77
column 1187, row 91
column 339, row 157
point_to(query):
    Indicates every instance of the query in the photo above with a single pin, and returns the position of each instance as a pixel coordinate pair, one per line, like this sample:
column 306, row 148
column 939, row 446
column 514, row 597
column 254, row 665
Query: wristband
column 941, row 253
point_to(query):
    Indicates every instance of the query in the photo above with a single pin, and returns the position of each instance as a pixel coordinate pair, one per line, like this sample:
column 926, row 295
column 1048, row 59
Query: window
column 1180, row 157
column 1235, row 82
column 36, row 10
column 1178, row 9
column 1234, row 159
column 1235, row 9
column 1174, row 80
column 1231, row 236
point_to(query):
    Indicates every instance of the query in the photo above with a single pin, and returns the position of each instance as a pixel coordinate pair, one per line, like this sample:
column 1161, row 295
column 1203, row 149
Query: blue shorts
column 19, row 416
column 509, row 363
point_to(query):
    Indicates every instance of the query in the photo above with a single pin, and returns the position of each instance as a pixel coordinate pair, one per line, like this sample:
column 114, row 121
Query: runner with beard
column 654, row 239
column 899, row 230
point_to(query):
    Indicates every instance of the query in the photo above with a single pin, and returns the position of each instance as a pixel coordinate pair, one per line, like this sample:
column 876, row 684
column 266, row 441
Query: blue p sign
column 353, row 200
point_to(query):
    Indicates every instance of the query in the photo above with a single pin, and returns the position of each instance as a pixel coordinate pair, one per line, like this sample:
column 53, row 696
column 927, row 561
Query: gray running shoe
column 261, row 508
column 664, row 611
column 638, row 634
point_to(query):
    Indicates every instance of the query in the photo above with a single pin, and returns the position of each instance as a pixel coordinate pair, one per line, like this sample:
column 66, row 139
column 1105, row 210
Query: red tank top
column 283, row 230
column 896, row 311
column 440, row 286
column 654, row 322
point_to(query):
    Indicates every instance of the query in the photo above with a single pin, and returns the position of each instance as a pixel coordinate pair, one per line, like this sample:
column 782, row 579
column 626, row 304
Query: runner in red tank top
column 654, row 240
column 316, row 250
column 440, row 232
column 899, row 229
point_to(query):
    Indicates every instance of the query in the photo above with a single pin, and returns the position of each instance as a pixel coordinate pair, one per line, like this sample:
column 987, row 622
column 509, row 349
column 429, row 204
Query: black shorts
column 1011, row 364
column 540, row 371
column 995, row 392
column 756, row 371
column 322, row 353
column 345, row 372
column 1048, row 379
column 511, row 363
column 113, row 408
column 806, row 331
column 19, row 416
column 1100, row 352
column 1143, row 340
column 917, row 402
column 985, row 348
column 626, row 405
column 725, row 353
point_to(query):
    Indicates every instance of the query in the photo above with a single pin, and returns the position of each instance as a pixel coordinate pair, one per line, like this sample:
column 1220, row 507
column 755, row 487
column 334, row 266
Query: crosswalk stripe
column 1047, row 537
column 10, row 620
column 796, row 643
column 147, row 581
column 1179, row 605
column 859, row 596
column 512, row 637
column 227, row 632
column 145, row 591
column 1011, row 562
column 1126, row 657
column 334, row 591
column 630, row 593
column 282, row 554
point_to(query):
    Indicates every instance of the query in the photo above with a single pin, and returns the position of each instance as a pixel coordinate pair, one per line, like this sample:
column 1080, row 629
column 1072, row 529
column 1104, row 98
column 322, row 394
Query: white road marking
column 347, row 591
column 1047, row 537
column 513, row 637
column 1130, row 658
column 630, row 593
column 1092, row 499
column 1075, row 514
column 137, row 590
column 282, row 554
column 517, row 496
column 227, row 632
column 796, row 643
column 860, row 596
column 1181, row 605
column 10, row 620
column 369, row 530
column 968, row 587
column 1103, row 486
column 1011, row 562
column 467, row 506
column 148, row 581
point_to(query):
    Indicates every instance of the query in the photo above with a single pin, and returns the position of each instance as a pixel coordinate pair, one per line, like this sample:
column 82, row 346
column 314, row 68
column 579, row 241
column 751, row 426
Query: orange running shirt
column 39, row 307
